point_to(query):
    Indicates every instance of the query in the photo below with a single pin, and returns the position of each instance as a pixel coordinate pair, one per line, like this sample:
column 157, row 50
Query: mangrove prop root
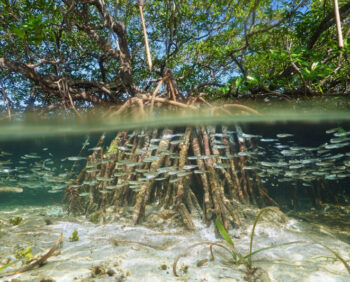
column 212, row 185
column 38, row 262
column 186, row 217
column 143, row 197
column 203, row 176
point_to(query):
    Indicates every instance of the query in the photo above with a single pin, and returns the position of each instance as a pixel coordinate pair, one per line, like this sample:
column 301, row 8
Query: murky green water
column 302, row 160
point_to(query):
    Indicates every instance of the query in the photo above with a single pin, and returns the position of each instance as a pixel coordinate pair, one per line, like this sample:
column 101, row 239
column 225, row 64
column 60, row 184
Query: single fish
column 150, row 159
column 150, row 175
column 8, row 189
column 190, row 166
column 95, row 148
column 340, row 140
column 220, row 147
column 176, row 142
column 133, row 164
column 342, row 134
column 168, row 136
column 249, row 167
column 333, row 130
column 53, row 191
column 101, row 178
column 183, row 173
column 336, row 145
column 219, row 135
column 268, row 140
column 245, row 154
column 222, row 166
column 198, row 171
column 160, row 178
column 179, row 135
column 284, row 135
column 32, row 156
column 244, row 135
column 174, row 157
column 140, row 170
column 111, row 187
column 280, row 146
column 331, row 177
column 122, row 148
column 76, row 158
column 174, row 180
column 192, row 158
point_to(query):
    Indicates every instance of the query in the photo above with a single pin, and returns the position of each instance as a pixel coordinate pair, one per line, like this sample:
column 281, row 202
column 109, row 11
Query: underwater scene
column 233, row 199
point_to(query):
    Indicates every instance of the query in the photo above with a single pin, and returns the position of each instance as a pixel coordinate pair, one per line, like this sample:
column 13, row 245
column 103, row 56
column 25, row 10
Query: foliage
column 247, row 259
column 16, row 220
column 238, row 258
column 93, row 51
column 7, row 265
column 25, row 254
column 94, row 217
column 274, row 209
column 74, row 236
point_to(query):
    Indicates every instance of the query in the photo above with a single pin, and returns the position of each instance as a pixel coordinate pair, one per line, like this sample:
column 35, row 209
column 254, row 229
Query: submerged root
column 194, row 171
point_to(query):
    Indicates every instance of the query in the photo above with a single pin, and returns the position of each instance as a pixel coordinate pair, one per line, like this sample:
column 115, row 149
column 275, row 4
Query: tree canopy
column 92, row 52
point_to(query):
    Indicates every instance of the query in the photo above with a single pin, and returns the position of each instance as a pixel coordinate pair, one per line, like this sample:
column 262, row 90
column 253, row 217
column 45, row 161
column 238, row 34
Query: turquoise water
column 303, row 162
column 39, row 162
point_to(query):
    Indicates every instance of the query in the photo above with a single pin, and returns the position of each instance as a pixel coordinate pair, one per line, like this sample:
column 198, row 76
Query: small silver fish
column 190, row 166
column 8, row 189
column 284, row 135
column 77, row 158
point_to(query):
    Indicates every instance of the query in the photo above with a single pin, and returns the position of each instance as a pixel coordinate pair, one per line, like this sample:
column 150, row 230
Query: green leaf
column 252, row 78
column 223, row 232
column 314, row 66
column 306, row 71
column 272, row 247
column 224, row 89
column 274, row 54
column 9, row 264
column 19, row 32
column 238, row 81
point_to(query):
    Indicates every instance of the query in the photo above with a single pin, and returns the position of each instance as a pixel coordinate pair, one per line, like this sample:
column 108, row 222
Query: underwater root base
column 196, row 171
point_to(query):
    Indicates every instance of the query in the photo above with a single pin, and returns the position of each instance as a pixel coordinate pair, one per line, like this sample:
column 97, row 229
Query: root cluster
column 197, row 171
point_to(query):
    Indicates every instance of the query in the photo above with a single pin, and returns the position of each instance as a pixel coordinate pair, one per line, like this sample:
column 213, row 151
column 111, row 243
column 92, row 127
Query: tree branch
column 290, row 13
column 327, row 22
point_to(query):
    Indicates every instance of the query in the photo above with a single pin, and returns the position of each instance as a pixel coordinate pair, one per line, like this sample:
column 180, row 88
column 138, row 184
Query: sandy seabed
column 120, row 251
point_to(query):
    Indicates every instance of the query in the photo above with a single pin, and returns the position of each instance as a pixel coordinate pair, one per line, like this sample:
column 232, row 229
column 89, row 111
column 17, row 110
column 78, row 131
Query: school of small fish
column 282, row 160
column 278, row 159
